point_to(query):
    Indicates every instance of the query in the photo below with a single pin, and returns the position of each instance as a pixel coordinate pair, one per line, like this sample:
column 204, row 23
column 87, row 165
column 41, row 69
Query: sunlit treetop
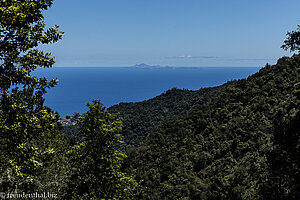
column 22, row 29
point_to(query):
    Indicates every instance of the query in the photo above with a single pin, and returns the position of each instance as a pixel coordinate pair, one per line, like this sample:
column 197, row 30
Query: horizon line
column 160, row 67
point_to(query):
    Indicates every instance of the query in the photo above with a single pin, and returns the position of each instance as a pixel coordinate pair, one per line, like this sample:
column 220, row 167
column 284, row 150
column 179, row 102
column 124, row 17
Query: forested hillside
column 139, row 118
column 244, row 144
column 240, row 140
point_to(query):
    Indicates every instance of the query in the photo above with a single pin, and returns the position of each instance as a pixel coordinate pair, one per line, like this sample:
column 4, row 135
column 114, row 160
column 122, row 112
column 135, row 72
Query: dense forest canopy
column 230, row 147
column 139, row 118
column 239, row 140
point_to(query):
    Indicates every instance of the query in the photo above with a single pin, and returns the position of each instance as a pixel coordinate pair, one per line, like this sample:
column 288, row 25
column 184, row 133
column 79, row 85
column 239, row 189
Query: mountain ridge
column 229, row 147
column 140, row 117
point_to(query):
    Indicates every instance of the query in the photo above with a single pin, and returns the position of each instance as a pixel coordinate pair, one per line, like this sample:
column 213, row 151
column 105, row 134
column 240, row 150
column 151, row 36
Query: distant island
column 145, row 66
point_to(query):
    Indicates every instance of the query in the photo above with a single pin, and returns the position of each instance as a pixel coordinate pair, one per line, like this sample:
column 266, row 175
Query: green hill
column 139, row 118
column 243, row 144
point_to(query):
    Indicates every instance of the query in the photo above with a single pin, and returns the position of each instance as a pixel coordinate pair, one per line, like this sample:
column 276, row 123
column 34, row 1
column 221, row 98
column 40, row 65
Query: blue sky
column 171, row 32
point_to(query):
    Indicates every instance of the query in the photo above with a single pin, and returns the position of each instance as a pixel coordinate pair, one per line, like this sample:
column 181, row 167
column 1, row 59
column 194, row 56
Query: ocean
column 113, row 85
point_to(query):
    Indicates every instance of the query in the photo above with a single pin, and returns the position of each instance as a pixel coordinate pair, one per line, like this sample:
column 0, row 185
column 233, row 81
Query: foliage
column 293, row 40
column 34, row 156
column 240, row 140
column 283, row 176
column 139, row 118
column 30, row 148
column 243, row 144
column 29, row 137
column 96, row 164
column 22, row 30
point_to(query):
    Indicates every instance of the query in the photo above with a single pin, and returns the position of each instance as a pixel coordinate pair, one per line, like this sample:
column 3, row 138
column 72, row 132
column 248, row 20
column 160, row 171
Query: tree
column 293, row 40
column 283, row 172
column 96, row 164
column 29, row 139
column 22, row 29
column 34, row 156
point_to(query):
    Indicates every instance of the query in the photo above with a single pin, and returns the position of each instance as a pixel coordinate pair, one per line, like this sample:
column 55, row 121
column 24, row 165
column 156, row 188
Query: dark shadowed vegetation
column 239, row 140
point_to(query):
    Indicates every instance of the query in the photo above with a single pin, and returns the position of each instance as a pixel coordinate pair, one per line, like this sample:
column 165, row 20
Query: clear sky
column 171, row 32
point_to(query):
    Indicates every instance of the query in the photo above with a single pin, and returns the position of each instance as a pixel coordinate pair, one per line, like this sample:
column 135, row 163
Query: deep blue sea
column 112, row 85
